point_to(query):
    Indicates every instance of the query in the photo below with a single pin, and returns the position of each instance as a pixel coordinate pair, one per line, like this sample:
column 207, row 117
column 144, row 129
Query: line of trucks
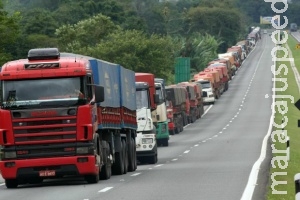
column 65, row 114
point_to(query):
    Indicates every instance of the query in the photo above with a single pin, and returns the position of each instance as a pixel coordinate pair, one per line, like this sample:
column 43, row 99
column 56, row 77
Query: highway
column 211, row 160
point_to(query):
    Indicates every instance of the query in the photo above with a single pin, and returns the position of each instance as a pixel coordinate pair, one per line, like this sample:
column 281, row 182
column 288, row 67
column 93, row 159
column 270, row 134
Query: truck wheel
column 172, row 132
column 165, row 142
column 105, row 172
column 131, row 156
column 11, row 183
column 118, row 166
column 176, row 130
column 181, row 128
column 94, row 178
column 153, row 159
column 125, row 153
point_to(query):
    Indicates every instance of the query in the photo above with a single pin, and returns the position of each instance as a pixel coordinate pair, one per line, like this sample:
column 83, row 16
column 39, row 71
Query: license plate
column 47, row 173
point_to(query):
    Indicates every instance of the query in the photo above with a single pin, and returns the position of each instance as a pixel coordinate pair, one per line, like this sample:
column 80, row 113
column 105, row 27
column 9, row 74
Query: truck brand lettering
column 42, row 66
column 46, row 113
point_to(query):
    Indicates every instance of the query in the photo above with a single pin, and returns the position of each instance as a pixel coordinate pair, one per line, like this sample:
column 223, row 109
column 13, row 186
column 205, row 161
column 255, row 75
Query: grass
column 293, row 165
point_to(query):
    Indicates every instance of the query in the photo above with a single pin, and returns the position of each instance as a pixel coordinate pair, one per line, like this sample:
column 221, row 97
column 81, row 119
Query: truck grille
column 43, row 130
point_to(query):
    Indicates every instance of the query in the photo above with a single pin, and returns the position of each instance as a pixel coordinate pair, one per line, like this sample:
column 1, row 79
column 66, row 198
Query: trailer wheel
column 125, row 154
column 106, row 168
column 11, row 183
column 131, row 156
column 118, row 166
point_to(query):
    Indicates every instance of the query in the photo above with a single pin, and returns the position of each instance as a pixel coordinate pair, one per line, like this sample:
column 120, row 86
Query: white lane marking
column 196, row 145
column 220, row 132
column 215, row 135
column 2, row 184
column 159, row 165
column 249, row 189
column 105, row 189
column 204, row 141
column 207, row 110
column 230, row 121
column 187, row 151
column 186, row 125
column 136, row 174
column 174, row 159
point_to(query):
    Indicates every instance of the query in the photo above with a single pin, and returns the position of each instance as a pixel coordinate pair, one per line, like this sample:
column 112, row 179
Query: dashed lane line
column 105, row 189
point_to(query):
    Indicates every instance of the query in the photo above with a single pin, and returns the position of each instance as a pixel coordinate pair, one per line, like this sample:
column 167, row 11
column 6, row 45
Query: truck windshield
column 142, row 99
column 205, row 85
column 43, row 92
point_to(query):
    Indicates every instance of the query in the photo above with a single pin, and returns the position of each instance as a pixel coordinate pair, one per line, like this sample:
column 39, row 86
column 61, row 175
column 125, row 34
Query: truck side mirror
column 99, row 93
column 156, row 98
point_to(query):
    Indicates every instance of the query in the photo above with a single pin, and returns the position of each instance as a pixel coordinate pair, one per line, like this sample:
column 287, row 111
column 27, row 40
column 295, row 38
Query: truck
column 206, row 82
column 223, row 69
column 215, row 80
column 224, row 62
column 159, row 115
column 194, row 96
column 176, row 95
column 147, row 100
column 79, row 121
column 231, row 58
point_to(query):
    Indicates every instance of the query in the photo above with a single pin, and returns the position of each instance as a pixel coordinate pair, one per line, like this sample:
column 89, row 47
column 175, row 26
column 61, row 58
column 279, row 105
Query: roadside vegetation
column 292, row 131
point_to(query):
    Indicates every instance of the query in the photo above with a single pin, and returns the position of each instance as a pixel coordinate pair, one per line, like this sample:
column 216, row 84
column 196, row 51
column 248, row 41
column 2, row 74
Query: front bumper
column 75, row 165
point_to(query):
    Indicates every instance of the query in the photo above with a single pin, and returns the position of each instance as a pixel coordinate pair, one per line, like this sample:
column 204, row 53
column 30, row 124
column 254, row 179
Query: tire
column 131, row 156
column 125, row 154
column 181, row 128
column 11, row 183
column 105, row 172
column 94, row 178
column 176, row 130
column 171, row 132
column 165, row 142
column 118, row 166
column 152, row 159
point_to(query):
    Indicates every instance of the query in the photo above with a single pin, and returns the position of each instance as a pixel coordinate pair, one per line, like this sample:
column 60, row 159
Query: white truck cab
column 207, row 91
column 146, row 143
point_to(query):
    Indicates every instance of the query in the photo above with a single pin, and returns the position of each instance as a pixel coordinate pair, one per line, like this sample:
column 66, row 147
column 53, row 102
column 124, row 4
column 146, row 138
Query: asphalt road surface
column 211, row 160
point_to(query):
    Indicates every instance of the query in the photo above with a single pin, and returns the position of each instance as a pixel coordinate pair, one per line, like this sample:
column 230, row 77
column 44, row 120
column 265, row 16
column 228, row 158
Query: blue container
column 127, row 83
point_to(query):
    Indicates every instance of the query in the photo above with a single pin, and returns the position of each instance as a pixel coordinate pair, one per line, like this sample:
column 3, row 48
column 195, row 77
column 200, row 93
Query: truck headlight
column 147, row 140
column 10, row 154
column 82, row 150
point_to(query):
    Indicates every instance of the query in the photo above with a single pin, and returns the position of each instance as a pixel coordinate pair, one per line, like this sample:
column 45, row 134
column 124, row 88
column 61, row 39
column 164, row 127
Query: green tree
column 85, row 33
column 217, row 21
column 9, row 32
column 138, row 52
column 39, row 21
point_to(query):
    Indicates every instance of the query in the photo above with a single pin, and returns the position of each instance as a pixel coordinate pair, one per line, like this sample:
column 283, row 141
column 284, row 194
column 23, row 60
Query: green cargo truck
column 159, row 115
